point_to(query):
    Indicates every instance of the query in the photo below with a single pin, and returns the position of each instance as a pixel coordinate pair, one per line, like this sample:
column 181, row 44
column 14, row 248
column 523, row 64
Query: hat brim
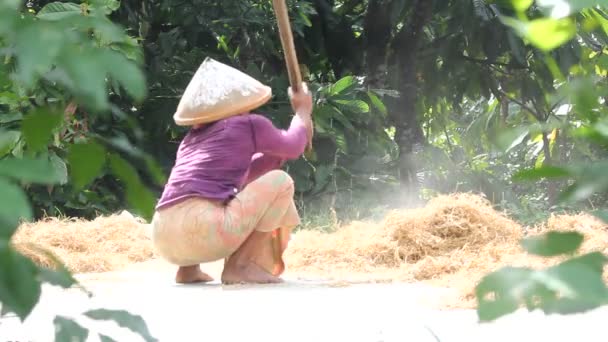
column 223, row 111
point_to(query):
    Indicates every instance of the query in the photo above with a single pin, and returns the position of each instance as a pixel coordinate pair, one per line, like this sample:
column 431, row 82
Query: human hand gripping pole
column 296, row 97
column 291, row 58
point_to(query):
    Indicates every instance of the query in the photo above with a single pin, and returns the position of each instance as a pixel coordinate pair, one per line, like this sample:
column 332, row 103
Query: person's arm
column 290, row 143
column 279, row 143
column 274, row 146
column 261, row 164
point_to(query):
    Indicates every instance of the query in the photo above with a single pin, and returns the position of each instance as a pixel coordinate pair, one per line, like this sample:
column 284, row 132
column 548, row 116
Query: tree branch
column 487, row 62
column 521, row 104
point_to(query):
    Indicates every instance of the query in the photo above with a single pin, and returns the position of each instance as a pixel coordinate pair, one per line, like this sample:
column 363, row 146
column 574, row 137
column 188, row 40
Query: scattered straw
column 453, row 241
column 105, row 244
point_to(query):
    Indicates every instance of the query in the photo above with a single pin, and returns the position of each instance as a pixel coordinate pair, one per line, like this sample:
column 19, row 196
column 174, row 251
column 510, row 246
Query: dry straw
column 453, row 241
column 104, row 244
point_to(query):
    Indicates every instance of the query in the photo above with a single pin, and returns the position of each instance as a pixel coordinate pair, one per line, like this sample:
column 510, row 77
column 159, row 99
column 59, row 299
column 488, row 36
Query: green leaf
column 86, row 77
column 138, row 196
column 553, row 243
column 377, row 103
column 578, row 279
column 156, row 171
column 342, row 85
column 67, row 330
column 601, row 128
column 305, row 19
column 10, row 4
column 357, row 106
column 106, row 31
column 595, row 261
column 498, row 293
column 517, row 47
column 59, row 11
column 521, row 5
column 548, row 34
column 323, row 174
column 337, row 115
column 39, row 171
column 60, row 275
column 542, row 172
column 86, row 162
column 124, row 319
column 127, row 73
column 32, row 60
column 544, row 33
column 573, row 286
column 104, row 338
column 105, row 6
column 584, row 94
column 14, row 207
column 38, row 127
column 12, row 117
column 59, row 169
column 511, row 138
column 8, row 141
column 130, row 48
column 589, row 179
column 19, row 288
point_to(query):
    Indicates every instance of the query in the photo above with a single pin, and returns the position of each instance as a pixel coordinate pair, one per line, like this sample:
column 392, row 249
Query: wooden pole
column 295, row 81
column 289, row 50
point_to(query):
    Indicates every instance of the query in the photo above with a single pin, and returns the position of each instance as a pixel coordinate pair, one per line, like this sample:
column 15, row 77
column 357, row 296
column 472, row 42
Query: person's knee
column 283, row 180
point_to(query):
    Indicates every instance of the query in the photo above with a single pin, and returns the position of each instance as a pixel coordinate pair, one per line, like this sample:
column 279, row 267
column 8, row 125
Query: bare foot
column 247, row 273
column 191, row 275
column 278, row 267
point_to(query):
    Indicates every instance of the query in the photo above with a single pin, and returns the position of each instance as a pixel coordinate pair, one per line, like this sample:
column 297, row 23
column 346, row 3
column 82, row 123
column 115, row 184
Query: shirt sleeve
column 279, row 143
column 261, row 164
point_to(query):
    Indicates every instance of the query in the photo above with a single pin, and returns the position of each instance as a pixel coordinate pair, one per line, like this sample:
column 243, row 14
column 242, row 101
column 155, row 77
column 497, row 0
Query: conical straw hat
column 218, row 91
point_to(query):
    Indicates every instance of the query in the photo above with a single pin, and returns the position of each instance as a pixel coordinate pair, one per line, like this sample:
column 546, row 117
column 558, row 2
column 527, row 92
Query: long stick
column 295, row 80
column 289, row 50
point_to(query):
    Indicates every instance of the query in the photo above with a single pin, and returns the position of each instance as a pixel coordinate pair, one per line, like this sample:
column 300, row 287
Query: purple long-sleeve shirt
column 216, row 161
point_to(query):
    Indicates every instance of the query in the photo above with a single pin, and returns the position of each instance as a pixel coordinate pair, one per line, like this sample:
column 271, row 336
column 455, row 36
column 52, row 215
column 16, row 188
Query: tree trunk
column 551, row 185
column 377, row 28
column 408, row 131
column 339, row 40
column 504, row 110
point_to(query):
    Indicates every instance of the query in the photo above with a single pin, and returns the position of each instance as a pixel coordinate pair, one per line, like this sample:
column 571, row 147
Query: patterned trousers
column 197, row 230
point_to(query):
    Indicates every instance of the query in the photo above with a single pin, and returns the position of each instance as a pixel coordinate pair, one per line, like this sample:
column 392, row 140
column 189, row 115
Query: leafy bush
column 575, row 285
column 84, row 54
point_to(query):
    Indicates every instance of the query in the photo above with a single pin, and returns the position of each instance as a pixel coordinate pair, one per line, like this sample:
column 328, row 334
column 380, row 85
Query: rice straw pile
column 453, row 241
column 105, row 244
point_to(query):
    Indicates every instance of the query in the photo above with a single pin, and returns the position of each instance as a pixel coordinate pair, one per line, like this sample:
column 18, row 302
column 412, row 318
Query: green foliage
column 124, row 319
column 68, row 330
column 14, row 207
column 74, row 66
column 492, row 93
column 138, row 195
column 553, row 243
column 29, row 170
column 37, row 128
column 573, row 286
column 88, row 63
column 86, row 162
column 576, row 284
column 19, row 286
